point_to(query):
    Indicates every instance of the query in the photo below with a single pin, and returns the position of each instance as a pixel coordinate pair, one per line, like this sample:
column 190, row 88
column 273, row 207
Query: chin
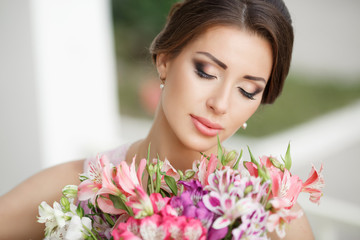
column 200, row 144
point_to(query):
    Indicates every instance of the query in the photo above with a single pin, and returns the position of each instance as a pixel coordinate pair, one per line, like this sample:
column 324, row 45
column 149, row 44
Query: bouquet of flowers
column 221, row 197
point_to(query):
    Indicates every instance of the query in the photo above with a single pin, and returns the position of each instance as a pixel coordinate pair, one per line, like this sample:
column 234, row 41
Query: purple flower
column 190, row 203
column 216, row 234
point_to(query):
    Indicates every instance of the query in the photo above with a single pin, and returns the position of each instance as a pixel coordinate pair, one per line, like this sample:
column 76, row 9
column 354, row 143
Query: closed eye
column 199, row 70
column 249, row 95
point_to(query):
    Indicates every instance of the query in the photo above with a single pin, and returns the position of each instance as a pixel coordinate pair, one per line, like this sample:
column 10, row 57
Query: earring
column 162, row 84
column 244, row 126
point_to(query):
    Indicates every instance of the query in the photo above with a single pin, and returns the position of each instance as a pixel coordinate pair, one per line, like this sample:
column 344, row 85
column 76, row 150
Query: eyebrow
column 223, row 65
column 217, row 61
column 254, row 78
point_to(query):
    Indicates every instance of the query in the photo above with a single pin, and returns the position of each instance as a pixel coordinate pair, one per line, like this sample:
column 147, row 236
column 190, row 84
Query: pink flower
column 127, row 230
column 127, row 178
column 206, row 168
column 264, row 161
column 285, row 188
column 160, row 227
column 314, row 184
column 108, row 185
column 144, row 205
column 89, row 188
column 278, row 221
column 107, row 206
column 105, row 180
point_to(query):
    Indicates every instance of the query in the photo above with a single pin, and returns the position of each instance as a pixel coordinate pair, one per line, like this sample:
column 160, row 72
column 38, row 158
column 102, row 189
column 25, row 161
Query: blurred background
column 76, row 79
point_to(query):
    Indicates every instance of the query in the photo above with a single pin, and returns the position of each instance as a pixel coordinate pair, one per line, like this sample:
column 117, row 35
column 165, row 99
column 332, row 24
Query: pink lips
column 205, row 126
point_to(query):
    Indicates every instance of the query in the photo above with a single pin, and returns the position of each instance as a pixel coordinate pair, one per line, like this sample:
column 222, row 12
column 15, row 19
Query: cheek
column 241, row 113
column 181, row 88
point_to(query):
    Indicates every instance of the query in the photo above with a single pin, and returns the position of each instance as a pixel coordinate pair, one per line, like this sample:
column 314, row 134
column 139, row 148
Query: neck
column 165, row 144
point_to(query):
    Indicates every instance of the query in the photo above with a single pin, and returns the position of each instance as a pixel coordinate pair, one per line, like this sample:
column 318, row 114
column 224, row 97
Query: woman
column 217, row 62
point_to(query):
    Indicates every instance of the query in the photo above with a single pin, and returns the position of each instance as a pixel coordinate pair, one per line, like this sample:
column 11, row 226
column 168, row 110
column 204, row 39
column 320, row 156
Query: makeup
column 205, row 126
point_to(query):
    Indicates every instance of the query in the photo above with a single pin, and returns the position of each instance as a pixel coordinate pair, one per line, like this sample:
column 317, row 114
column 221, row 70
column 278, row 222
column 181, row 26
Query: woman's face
column 214, row 85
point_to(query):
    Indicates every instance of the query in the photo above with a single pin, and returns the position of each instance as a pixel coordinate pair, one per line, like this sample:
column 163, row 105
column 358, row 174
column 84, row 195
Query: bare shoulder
column 298, row 229
column 21, row 203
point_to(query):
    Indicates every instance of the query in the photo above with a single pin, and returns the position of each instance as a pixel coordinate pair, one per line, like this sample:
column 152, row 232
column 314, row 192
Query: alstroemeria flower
column 77, row 228
column 160, row 227
column 253, row 225
column 144, row 205
column 89, row 188
column 127, row 178
column 223, row 181
column 53, row 217
column 314, row 184
column 190, row 203
column 285, row 188
column 278, row 220
column 206, row 168
column 99, row 185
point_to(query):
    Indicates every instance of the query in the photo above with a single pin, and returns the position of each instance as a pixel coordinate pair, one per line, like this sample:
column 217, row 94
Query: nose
column 219, row 100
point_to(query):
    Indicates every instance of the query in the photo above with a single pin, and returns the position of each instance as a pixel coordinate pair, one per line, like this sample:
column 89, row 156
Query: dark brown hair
column 269, row 19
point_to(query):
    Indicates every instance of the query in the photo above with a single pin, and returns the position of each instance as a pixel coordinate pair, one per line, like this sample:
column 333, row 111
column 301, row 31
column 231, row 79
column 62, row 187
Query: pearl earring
column 244, row 126
column 162, row 84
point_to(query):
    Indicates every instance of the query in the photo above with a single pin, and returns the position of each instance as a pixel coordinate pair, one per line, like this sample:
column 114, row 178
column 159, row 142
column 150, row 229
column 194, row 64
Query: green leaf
column 170, row 181
column 253, row 160
column 220, row 151
column 205, row 156
column 288, row 161
column 80, row 211
column 158, row 177
column 148, row 155
column 164, row 193
column 244, row 164
column 236, row 166
column 120, row 204
column 83, row 178
column 109, row 219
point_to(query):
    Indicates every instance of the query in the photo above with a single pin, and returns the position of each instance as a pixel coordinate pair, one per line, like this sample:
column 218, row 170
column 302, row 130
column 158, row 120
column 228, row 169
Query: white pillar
column 57, row 84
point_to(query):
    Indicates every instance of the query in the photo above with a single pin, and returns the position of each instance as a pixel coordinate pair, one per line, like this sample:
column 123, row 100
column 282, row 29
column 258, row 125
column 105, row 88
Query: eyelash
column 200, row 72
column 247, row 94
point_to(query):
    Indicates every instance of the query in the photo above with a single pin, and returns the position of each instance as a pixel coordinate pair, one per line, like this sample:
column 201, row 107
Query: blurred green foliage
column 303, row 99
column 137, row 22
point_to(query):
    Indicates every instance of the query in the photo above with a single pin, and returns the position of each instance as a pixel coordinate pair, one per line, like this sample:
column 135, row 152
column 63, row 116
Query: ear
column 162, row 65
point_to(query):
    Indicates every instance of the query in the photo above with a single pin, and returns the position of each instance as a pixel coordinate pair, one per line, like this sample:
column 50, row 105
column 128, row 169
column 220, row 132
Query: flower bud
column 80, row 211
column 230, row 156
column 65, row 203
column 189, row 174
column 151, row 170
column 181, row 174
column 277, row 164
column 70, row 191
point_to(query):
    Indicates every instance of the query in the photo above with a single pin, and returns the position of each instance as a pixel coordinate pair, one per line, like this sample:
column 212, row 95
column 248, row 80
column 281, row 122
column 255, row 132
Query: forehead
column 237, row 48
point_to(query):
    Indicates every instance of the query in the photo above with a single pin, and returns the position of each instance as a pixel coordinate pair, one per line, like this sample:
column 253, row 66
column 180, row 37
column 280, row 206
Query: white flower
column 62, row 223
column 54, row 218
column 77, row 228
